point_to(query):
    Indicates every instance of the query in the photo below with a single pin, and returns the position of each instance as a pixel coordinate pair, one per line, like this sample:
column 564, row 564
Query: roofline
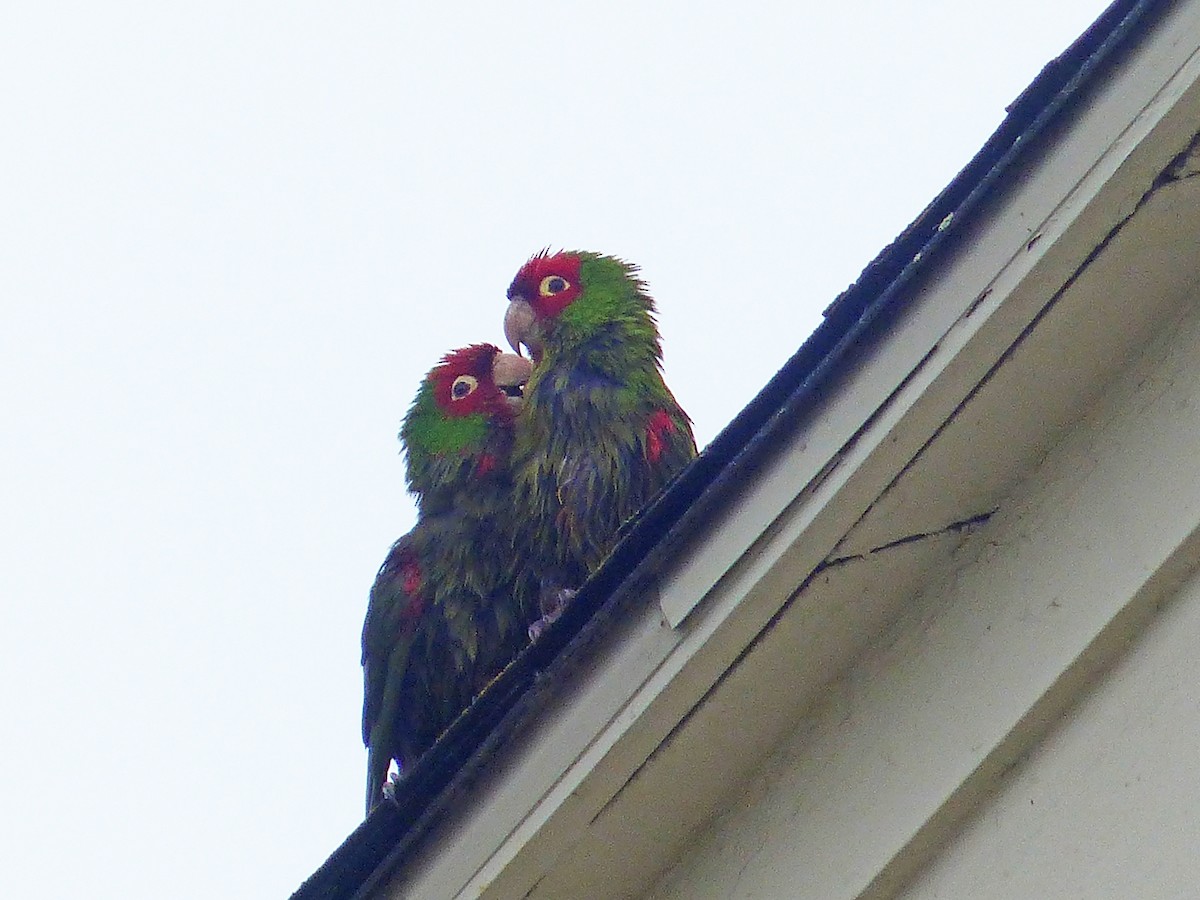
column 855, row 319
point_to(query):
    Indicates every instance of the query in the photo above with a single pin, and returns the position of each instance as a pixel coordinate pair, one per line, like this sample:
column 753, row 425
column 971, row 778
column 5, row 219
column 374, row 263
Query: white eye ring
column 464, row 385
column 553, row 284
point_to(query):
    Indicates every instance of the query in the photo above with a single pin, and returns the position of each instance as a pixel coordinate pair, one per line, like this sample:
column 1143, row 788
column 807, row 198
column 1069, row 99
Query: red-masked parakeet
column 443, row 617
column 599, row 434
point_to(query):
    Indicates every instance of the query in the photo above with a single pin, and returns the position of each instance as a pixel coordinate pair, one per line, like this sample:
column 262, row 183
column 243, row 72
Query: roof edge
column 372, row 850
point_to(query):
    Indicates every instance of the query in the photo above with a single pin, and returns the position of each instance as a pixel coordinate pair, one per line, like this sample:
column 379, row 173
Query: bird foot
column 553, row 602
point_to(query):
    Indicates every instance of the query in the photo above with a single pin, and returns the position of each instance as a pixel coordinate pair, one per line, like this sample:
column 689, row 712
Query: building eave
column 805, row 468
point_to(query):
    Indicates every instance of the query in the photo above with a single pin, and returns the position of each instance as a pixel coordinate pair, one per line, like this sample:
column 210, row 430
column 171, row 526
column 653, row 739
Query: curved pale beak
column 519, row 327
column 510, row 374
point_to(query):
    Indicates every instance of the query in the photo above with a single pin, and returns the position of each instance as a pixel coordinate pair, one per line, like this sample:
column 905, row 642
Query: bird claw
column 552, row 603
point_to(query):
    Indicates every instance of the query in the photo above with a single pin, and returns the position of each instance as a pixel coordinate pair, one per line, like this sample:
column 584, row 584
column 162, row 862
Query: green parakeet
column 599, row 434
column 443, row 618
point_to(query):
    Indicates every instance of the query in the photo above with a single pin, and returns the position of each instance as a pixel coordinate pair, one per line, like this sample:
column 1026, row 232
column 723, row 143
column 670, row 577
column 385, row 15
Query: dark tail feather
column 377, row 771
column 379, row 760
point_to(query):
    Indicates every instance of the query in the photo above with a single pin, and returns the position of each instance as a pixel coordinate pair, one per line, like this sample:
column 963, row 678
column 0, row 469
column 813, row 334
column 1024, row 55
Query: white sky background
column 234, row 237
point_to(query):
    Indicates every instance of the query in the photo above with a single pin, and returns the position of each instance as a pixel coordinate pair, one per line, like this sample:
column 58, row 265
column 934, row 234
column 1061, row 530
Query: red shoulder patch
column 410, row 573
column 660, row 424
column 410, row 580
column 487, row 463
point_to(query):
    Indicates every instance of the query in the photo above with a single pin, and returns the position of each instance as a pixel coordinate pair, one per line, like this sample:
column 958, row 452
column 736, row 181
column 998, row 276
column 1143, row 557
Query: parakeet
column 599, row 433
column 443, row 617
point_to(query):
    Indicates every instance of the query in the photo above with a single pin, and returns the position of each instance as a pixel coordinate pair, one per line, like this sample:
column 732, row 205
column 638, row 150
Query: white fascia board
column 541, row 794
column 992, row 653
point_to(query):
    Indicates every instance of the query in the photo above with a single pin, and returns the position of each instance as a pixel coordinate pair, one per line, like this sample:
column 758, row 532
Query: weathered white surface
column 1107, row 806
column 925, row 724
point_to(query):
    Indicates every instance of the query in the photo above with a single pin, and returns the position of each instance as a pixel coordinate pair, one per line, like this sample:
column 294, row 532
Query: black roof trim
column 860, row 313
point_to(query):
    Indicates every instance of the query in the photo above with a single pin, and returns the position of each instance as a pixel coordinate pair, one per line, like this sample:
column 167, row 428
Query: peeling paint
column 960, row 527
column 987, row 292
column 1184, row 166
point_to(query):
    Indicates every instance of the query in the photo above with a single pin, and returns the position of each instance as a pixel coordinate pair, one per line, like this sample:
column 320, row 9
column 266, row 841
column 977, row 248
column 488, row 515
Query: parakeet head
column 570, row 296
column 460, row 424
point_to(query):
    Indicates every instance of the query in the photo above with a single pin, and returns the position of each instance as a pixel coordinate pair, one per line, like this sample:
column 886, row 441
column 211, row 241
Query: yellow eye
column 463, row 385
column 553, row 284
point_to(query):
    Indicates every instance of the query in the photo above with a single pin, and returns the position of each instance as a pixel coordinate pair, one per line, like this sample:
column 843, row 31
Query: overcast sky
column 233, row 236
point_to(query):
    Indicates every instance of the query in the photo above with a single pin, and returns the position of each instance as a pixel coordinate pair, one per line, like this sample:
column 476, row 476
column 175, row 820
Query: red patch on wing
column 660, row 424
column 529, row 280
column 487, row 463
column 410, row 580
column 410, row 573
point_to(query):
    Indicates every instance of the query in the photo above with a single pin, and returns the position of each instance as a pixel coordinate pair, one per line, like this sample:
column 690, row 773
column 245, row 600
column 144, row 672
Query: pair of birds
column 524, row 472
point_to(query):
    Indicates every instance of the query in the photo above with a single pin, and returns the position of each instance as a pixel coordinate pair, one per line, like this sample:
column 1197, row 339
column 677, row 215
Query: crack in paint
column 1183, row 166
column 959, row 527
